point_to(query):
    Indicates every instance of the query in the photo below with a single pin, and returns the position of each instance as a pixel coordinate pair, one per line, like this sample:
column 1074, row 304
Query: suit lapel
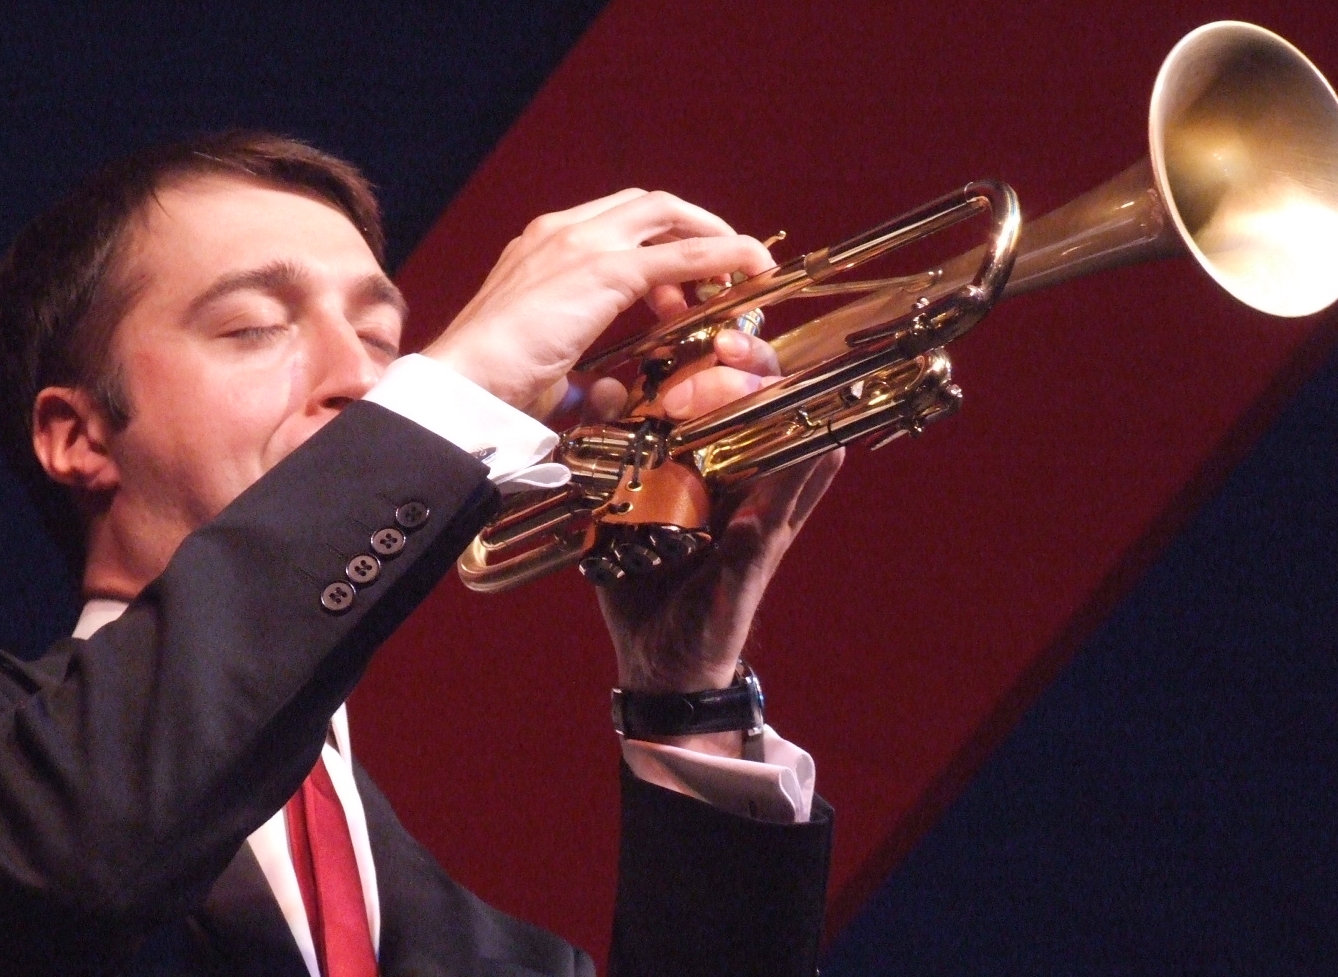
column 432, row 927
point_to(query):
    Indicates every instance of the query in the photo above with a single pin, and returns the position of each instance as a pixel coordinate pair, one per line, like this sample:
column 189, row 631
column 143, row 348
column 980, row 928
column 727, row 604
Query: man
column 201, row 350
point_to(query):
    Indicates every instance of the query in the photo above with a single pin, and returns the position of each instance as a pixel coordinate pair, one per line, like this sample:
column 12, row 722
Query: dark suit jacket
column 133, row 765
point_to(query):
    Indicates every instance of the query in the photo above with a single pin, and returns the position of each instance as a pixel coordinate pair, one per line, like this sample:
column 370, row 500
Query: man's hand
column 683, row 630
column 553, row 291
column 560, row 284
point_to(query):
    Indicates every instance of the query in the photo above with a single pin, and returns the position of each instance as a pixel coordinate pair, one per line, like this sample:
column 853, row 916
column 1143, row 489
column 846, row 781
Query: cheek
column 272, row 413
column 203, row 430
column 209, row 434
column 262, row 418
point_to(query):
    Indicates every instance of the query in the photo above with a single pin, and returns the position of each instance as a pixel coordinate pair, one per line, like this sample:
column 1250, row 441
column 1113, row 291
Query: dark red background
column 1166, row 804
column 944, row 582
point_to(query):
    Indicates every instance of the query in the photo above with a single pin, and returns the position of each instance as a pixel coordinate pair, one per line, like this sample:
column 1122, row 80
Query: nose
column 343, row 368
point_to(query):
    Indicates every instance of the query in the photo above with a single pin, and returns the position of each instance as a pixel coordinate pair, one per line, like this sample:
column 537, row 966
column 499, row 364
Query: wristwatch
column 644, row 715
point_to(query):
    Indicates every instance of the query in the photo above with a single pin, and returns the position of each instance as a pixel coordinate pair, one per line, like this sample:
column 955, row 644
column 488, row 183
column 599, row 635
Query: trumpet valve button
column 750, row 322
column 707, row 290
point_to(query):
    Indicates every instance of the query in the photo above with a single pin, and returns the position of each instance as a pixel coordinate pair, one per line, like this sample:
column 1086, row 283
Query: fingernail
column 677, row 398
column 730, row 343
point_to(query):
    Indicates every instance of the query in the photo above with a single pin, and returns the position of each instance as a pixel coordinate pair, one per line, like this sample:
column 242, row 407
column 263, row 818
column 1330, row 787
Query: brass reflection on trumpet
column 1242, row 175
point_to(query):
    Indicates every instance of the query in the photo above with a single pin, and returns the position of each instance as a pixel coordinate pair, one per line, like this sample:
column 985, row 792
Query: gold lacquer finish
column 1242, row 174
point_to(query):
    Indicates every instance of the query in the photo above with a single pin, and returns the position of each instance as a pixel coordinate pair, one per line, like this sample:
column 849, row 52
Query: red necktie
column 327, row 874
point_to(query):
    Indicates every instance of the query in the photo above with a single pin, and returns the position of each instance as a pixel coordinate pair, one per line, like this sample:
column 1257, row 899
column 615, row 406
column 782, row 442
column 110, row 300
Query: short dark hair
column 61, row 298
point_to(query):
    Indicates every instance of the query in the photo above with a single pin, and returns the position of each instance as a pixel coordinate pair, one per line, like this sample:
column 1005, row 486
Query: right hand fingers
column 561, row 283
column 547, row 223
column 624, row 219
column 663, row 267
column 630, row 219
column 637, row 217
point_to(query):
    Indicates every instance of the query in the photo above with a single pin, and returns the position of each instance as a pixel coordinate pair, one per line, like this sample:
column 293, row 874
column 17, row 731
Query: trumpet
column 1241, row 174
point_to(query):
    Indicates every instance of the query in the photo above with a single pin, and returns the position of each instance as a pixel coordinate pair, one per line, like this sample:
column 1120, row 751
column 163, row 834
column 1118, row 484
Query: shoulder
column 20, row 677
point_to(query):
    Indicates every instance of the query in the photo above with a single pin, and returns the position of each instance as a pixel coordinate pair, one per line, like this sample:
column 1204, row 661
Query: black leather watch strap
column 642, row 715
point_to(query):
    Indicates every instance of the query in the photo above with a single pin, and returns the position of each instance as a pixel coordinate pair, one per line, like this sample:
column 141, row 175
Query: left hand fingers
column 769, row 516
column 819, row 480
column 787, row 498
column 747, row 363
column 713, row 387
column 751, row 354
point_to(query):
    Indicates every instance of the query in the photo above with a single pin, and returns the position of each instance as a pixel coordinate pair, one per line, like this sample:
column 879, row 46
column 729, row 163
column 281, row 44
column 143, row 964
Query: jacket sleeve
column 135, row 763
column 704, row 893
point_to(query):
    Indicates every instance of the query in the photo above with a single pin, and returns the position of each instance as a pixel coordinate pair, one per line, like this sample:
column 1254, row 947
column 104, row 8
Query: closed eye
column 389, row 349
column 257, row 335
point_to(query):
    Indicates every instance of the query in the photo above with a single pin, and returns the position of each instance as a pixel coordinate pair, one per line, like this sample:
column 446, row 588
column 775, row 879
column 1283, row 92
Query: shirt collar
column 97, row 612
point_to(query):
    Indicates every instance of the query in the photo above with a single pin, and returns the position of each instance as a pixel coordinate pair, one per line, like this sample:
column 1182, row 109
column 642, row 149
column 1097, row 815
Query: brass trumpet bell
column 1242, row 174
column 1244, row 146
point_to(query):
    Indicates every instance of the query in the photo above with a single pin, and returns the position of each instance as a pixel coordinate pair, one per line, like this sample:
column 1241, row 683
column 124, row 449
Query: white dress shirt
column 775, row 784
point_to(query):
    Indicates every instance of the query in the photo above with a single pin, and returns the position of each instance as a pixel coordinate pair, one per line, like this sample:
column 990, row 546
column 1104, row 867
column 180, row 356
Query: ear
column 71, row 439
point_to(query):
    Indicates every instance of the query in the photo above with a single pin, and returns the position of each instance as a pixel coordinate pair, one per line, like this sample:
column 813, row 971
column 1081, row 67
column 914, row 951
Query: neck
column 122, row 561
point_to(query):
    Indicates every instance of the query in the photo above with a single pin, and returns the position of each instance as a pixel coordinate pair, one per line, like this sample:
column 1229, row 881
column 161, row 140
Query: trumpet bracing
column 1242, row 174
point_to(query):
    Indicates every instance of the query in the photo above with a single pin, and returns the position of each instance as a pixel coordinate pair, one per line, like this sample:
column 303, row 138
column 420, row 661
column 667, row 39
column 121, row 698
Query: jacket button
column 388, row 541
column 363, row 569
column 337, row 597
column 411, row 515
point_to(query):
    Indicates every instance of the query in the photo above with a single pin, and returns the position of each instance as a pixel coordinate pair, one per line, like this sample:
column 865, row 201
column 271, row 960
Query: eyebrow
column 284, row 275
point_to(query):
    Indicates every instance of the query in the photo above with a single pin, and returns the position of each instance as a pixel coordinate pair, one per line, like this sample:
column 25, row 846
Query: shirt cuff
column 513, row 445
column 777, row 787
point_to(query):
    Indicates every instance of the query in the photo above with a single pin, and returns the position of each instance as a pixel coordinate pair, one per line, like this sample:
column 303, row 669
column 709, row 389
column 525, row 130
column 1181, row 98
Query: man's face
column 260, row 314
